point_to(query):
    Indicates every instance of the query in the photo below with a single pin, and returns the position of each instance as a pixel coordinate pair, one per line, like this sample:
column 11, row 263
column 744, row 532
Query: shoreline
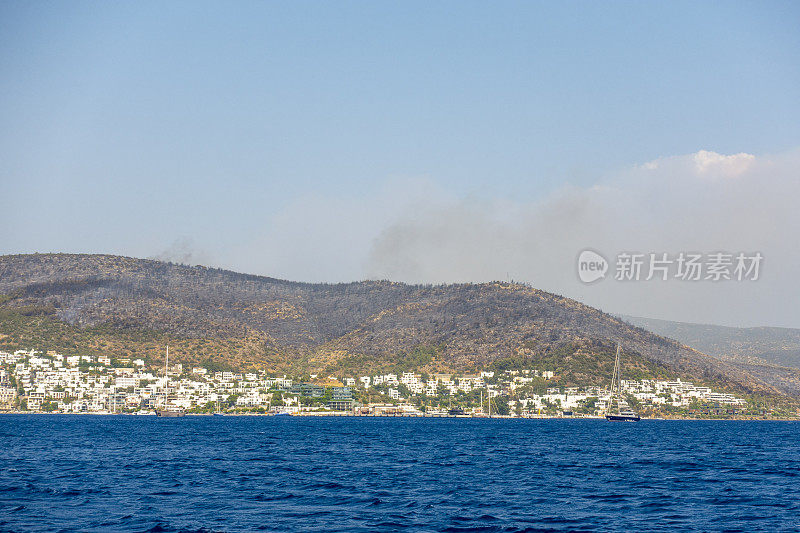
column 348, row 415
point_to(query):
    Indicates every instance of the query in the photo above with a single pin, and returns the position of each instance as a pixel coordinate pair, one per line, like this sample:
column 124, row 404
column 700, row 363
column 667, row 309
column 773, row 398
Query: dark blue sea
column 128, row 473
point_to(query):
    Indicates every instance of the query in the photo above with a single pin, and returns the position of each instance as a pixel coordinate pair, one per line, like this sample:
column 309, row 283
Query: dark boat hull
column 623, row 418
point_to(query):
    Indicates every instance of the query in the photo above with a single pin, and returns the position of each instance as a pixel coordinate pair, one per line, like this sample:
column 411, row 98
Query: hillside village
column 51, row 382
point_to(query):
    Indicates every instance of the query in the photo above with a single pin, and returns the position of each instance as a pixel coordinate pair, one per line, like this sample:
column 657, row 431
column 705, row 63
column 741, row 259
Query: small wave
column 273, row 497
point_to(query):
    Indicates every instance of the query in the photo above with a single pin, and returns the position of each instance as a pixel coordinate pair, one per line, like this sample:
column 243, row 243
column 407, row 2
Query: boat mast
column 615, row 381
column 619, row 372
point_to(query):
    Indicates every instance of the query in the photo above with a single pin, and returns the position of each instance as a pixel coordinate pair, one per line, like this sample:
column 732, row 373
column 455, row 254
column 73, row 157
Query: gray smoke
column 183, row 251
column 703, row 202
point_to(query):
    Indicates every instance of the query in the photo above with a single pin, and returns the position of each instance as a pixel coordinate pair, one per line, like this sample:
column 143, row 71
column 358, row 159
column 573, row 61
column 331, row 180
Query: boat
column 168, row 411
column 454, row 411
column 621, row 414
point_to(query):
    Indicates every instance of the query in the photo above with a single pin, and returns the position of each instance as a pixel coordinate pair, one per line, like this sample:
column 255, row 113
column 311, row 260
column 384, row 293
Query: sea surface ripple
column 236, row 473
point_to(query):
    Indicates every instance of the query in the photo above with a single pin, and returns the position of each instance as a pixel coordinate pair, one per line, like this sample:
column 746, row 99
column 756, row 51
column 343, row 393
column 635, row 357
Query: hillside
column 761, row 345
column 132, row 307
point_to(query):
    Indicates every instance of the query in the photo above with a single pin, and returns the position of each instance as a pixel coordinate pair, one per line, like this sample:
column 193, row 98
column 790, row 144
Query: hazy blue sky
column 287, row 138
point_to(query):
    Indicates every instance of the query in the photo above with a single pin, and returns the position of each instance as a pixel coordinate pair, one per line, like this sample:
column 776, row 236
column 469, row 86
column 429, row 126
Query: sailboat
column 616, row 394
column 168, row 411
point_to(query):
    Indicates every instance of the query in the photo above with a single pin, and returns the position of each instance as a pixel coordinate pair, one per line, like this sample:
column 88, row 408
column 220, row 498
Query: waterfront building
column 308, row 389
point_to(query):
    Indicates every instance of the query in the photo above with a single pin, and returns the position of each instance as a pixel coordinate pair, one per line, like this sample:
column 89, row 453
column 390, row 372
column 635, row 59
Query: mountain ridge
column 315, row 326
